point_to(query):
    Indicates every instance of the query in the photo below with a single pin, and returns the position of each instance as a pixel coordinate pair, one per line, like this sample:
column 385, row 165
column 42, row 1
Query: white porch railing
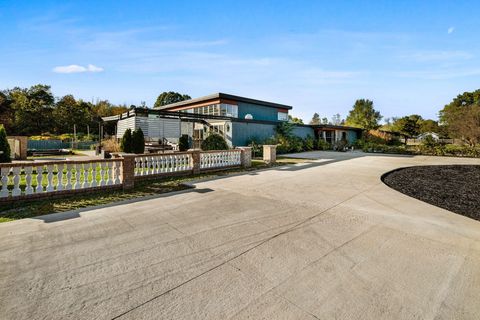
column 219, row 159
column 163, row 163
column 47, row 177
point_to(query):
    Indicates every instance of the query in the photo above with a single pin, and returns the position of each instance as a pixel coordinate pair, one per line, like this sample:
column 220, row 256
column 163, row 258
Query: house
column 238, row 119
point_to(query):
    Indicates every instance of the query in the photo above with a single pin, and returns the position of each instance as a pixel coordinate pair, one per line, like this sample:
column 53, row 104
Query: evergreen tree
column 4, row 146
column 138, row 141
column 126, row 143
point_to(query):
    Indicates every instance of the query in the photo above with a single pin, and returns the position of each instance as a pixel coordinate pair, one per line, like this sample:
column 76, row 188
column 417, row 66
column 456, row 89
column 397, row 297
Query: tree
column 214, row 142
column 7, row 114
column 324, row 120
column 33, row 109
column 295, row 119
column 462, row 117
column 408, row 125
column 69, row 112
column 337, row 119
column 315, row 119
column 126, row 143
column 363, row 115
column 429, row 125
column 138, row 141
column 4, row 146
column 170, row 97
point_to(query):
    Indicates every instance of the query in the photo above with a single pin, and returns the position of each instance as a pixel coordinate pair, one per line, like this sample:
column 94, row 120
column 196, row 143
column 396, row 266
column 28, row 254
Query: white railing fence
column 220, row 159
column 36, row 178
column 163, row 163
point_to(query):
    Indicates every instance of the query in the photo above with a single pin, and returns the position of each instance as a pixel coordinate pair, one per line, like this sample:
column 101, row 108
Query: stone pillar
column 246, row 156
column 195, row 161
column 128, row 171
column 269, row 153
column 23, row 147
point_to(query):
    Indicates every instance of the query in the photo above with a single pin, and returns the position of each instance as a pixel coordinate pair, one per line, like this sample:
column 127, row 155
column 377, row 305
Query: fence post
column 195, row 161
column 246, row 156
column 269, row 153
column 128, row 171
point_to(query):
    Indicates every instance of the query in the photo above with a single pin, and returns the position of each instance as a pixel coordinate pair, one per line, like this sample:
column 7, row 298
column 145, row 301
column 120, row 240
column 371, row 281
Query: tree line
column 460, row 119
column 36, row 111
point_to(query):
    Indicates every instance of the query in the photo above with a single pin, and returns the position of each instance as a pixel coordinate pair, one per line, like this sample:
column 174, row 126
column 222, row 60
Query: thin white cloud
column 450, row 30
column 75, row 68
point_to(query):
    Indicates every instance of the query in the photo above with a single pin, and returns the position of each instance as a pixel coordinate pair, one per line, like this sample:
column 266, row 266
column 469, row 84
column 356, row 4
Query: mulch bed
column 453, row 187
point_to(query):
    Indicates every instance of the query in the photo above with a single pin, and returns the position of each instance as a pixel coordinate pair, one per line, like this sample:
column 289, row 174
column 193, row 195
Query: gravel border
column 452, row 187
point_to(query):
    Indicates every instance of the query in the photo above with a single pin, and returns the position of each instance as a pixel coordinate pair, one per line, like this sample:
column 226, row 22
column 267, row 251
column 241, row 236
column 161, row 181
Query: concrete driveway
column 319, row 240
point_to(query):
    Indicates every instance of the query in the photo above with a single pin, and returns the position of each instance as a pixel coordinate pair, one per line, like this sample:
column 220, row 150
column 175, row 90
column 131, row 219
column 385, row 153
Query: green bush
column 214, row 142
column 323, row 145
column 257, row 147
column 4, row 146
column 138, row 141
column 126, row 143
column 309, row 143
column 184, row 143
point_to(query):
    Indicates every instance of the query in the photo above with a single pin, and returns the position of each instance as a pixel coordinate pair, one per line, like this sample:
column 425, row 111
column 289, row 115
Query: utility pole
column 88, row 132
column 74, row 135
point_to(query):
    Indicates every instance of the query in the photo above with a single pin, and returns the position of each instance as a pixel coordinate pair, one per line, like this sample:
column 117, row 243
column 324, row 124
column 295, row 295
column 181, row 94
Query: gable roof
column 225, row 96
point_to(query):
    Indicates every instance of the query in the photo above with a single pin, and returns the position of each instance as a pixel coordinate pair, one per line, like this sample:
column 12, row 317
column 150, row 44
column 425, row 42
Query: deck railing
column 43, row 179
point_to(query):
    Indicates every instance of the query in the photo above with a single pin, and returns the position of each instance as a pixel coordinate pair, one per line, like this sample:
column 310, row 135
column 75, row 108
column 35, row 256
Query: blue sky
column 319, row 56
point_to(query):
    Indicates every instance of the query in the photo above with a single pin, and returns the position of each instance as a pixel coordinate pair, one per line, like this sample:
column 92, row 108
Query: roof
column 225, row 96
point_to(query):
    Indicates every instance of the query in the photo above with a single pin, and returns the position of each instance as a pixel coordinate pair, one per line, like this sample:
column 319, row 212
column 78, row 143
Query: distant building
column 237, row 119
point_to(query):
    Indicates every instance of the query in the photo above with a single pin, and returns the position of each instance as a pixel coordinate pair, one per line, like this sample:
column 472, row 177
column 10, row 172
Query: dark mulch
column 455, row 188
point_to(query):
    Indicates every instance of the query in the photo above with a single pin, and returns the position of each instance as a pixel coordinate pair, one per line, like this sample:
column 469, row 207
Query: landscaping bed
column 452, row 187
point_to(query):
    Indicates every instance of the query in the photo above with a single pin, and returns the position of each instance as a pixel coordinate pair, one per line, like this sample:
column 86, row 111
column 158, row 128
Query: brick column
column 246, row 156
column 195, row 161
column 128, row 171
column 269, row 153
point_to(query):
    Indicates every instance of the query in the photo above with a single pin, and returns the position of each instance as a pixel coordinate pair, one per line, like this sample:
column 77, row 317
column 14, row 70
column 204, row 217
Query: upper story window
column 223, row 109
column 282, row 116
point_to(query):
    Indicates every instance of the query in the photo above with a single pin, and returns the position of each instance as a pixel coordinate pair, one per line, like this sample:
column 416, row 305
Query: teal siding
column 242, row 132
column 352, row 136
column 303, row 132
column 258, row 112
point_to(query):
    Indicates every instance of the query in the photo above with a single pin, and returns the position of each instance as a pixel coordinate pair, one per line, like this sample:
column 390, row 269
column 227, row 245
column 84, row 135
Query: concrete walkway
column 318, row 240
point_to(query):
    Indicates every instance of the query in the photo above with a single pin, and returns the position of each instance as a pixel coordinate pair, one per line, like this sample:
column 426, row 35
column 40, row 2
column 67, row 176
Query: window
column 282, row 116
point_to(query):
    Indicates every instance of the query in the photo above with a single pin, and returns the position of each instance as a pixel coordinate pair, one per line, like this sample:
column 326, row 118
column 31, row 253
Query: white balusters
column 93, row 183
column 103, row 167
column 16, row 181
column 68, row 185
column 4, row 172
column 39, row 188
column 117, row 172
column 110, row 173
column 78, row 171
column 49, row 178
column 59, row 177
column 28, row 180
column 86, row 175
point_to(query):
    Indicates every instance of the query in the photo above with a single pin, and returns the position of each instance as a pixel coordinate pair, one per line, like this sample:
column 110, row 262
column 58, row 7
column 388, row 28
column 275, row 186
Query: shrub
column 257, row 147
column 214, row 142
column 309, row 143
column 340, row 145
column 184, row 143
column 111, row 145
column 126, row 144
column 4, row 146
column 138, row 141
column 323, row 145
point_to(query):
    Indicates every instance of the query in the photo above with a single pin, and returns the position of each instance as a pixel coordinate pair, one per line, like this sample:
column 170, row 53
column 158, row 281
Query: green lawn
column 27, row 209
